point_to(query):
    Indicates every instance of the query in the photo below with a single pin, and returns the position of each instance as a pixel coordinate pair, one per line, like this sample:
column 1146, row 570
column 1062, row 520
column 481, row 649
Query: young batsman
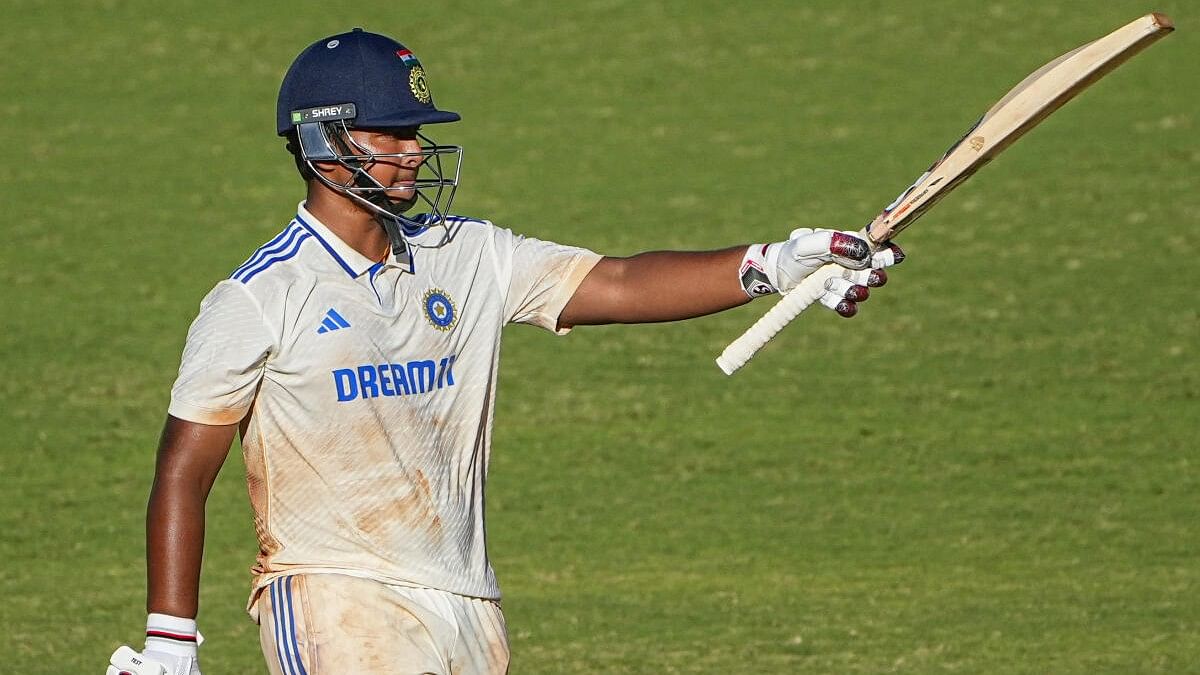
column 356, row 353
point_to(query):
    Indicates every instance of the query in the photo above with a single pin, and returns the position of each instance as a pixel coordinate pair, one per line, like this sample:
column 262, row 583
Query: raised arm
column 672, row 285
column 657, row 286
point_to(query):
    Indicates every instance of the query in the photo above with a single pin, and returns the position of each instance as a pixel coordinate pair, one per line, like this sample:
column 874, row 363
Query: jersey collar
column 351, row 261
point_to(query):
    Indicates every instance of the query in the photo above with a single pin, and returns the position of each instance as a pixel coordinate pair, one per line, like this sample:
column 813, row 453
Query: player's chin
column 403, row 200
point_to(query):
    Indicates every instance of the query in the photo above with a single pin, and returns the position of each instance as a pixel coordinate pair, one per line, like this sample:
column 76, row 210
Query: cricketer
column 356, row 354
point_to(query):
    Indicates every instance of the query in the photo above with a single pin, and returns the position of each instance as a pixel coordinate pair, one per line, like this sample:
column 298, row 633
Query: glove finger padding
column 814, row 248
column 849, row 250
column 845, row 291
column 888, row 254
column 870, row 278
column 845, row 288
column 842, row 295
column 844, row 307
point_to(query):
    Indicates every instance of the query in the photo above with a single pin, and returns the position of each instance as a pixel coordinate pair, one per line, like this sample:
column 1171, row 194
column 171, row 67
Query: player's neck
column 351, row 223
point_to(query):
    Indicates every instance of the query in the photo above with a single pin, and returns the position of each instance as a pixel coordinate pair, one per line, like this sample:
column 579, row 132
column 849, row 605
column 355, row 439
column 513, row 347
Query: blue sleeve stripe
column 265, row 249
column 290, row 253
column 329, row 248
column 262, row 250
column 265, row 252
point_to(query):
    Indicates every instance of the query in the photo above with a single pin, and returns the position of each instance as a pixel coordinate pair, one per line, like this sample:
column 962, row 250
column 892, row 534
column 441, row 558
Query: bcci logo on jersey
column 439, row 309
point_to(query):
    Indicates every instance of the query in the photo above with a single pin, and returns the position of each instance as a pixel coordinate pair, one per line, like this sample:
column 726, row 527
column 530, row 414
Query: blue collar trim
column 338, row 258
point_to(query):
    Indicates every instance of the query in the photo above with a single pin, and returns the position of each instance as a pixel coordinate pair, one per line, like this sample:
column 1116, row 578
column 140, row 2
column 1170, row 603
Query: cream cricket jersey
column 370, row 392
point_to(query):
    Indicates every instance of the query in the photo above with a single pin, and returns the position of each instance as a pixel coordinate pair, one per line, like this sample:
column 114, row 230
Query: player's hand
column 171, row 646
column 126, row 661
column 808, row 250
column 782, row 266
column 845, row 291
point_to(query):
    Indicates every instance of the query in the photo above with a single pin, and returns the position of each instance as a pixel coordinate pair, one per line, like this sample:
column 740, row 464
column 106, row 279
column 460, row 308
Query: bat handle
column 741, row 350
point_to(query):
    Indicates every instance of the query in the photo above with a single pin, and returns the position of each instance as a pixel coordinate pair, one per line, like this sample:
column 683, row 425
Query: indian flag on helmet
column 408, row 58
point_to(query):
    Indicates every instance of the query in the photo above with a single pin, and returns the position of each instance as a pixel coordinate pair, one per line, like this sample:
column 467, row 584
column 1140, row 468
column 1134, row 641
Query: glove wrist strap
column 752, row 273
column 172, row 635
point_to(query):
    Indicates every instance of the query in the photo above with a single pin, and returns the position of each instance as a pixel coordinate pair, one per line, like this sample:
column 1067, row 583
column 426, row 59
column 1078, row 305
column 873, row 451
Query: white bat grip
column 789, row 307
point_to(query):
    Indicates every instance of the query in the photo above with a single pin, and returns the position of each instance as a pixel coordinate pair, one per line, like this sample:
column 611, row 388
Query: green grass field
column 993, row 469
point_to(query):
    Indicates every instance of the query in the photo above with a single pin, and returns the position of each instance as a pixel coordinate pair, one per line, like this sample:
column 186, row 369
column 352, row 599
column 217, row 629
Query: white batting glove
column 843, row 293
column 781, row 267
column 125, row 661
column 170, row 649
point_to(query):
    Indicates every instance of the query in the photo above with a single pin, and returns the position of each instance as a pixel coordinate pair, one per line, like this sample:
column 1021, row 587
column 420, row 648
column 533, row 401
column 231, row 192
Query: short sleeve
column 223, row 359
column 542, row 276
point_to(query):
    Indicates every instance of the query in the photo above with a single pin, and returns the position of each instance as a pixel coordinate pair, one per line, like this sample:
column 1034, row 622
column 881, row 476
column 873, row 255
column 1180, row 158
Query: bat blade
column 1033, row 99
column 1022, row 108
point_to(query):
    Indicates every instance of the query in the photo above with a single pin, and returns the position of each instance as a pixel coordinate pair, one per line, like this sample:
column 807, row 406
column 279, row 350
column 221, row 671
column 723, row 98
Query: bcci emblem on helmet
column 416, row 76
column 418, row 85
column 439, row 309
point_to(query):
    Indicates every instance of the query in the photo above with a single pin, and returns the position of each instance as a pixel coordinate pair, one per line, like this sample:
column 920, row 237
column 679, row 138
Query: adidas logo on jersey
column 333, row 321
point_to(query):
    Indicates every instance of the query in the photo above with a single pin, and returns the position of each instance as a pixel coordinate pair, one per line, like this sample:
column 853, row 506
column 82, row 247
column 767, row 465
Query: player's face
column 394, row 172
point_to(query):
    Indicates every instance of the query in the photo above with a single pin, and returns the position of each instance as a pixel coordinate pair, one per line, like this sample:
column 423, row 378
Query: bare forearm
column 174, row 548
column 658, row 286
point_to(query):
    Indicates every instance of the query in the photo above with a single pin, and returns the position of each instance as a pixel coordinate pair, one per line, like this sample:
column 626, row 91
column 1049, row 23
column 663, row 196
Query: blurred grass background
column 992, row 469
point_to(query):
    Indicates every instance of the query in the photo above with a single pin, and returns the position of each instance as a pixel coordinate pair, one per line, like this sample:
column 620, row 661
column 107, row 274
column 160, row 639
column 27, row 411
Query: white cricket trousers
column 333, row 624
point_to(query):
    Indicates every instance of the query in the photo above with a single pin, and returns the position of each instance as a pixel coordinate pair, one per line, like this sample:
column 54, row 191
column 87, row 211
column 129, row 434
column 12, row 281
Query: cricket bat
column 1031, row 101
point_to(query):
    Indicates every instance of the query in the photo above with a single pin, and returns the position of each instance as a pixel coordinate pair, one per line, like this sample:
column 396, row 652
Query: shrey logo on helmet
column 329, row 91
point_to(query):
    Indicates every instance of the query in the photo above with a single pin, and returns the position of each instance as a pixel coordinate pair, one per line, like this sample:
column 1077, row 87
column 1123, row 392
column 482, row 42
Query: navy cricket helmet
column 381, row 77
column 368, row 81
